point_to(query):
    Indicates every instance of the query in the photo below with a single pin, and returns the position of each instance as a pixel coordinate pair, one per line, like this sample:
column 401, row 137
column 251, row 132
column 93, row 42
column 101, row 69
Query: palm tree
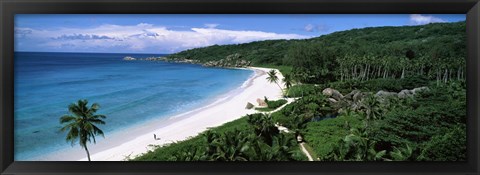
column 358, row 146
column 300, row 121
column 402, row 154
column 301, row 77
column 189, row 155
column 261, row 151
column 212, row 139
column 281, row 149
column 264, row 126
column 370, row 106
column 272, row 77
column 81, row 124
column 288, row 81
column 232, row 146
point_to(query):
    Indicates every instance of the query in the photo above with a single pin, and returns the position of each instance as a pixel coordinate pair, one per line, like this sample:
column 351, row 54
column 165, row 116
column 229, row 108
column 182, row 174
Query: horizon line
column 91, row 52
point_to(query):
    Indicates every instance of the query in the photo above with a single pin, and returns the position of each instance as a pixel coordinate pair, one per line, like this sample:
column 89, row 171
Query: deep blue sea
column 129, row 93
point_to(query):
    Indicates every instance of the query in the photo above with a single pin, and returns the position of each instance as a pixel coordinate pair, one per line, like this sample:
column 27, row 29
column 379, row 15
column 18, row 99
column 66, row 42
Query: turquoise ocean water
column 129, row 93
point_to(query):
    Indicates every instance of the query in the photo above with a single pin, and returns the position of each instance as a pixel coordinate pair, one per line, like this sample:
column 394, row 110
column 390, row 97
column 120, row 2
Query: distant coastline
column 231, row 61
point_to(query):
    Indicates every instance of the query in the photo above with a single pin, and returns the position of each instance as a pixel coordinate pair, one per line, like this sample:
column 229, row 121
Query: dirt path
column 289, row 100
column 284, row 129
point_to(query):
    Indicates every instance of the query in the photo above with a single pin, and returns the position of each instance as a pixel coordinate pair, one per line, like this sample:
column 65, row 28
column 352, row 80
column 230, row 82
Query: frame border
column 8, row 9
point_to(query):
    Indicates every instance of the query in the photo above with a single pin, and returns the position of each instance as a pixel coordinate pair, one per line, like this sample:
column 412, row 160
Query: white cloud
column 143, row 37
column 417, row 19
column 309, row 27
column 211, row 25
column 316, row 28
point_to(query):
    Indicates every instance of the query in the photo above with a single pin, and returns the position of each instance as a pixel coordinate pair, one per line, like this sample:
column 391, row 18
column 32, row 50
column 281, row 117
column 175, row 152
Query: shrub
column 449, row 147
column 303, row 90
column 375, row 85
column 276, row 104
column 324, row 135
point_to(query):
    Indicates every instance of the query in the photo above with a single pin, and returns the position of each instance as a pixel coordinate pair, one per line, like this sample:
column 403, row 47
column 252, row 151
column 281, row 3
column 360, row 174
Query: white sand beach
column 138, row 140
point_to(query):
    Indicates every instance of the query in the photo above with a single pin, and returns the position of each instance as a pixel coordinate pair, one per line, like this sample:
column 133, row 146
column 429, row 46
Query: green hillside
column 383, row 51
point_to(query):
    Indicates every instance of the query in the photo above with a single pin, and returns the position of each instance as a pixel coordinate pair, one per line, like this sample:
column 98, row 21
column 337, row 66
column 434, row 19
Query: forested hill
column 429, row 50
column 366, row 39
column 372, row 94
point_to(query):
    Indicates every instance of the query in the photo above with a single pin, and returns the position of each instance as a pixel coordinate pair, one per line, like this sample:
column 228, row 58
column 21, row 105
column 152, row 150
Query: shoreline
column 136, row 140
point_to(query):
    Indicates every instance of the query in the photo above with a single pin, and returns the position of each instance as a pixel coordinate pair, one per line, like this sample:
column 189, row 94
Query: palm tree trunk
column 445, row 76
column 367, row 72
column 341, row 74
column 364, row 72
column 88, row 153
column 379, row 73
column 280, row 88
column 458, row 74
column 438, row 77
column 403, row 73
column 355, row 71
column 462, row 74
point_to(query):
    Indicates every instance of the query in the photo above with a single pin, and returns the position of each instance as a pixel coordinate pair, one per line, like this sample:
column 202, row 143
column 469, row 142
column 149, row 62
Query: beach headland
column 229, row 107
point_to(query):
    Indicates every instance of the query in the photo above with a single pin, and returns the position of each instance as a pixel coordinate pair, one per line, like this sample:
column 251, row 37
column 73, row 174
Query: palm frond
column 87, row 127
column 72, row 135
column 67, row 119
column 97, row 121
column 94, row 107
column 69, row 126
column 97, row 131
column 99, row 116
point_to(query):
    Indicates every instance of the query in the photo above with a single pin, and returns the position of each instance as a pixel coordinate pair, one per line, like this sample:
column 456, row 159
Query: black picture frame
column 8, row 8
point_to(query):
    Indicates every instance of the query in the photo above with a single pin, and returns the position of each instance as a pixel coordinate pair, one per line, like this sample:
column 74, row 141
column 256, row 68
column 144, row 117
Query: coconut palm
column 232, row 146
column 264, row 126
column 281, row 149
column 81, row 124
column 358, row 146
column 189, row 155
column 283, row 146
column 374, row 155
column 402, row 154
column 212, row 139
column 348, row 113
column 300, row 76
column 371, row 107
column 273, row 78
column 261, row 151
column 287, row 79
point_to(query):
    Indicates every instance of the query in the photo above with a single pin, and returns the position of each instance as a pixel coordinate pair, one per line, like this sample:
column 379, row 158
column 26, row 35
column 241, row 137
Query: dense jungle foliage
column 436, row 51
column 429, row 125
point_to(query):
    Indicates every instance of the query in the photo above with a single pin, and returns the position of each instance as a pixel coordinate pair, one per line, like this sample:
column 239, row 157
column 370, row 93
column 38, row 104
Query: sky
column 170, row 33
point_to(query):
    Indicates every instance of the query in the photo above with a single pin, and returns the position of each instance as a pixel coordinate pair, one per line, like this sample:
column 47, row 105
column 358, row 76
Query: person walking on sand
column 155, row 137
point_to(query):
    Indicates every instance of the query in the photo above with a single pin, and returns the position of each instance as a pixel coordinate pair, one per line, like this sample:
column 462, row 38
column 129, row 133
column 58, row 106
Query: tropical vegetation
column 428, row 125
column 81, row 124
